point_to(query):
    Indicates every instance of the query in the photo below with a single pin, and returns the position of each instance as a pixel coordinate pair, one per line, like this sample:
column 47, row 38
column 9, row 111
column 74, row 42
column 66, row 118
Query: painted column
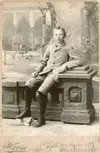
column 85, row 33
column 15, row 25
column 44, row 32
column 31, row 24
column 86, row 23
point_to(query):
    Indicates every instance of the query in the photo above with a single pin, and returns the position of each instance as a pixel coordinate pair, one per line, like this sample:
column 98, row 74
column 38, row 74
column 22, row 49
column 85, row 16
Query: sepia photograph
column 50, row 68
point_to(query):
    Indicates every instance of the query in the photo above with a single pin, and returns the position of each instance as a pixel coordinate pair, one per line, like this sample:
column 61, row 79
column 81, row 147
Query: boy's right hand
column 35, row 74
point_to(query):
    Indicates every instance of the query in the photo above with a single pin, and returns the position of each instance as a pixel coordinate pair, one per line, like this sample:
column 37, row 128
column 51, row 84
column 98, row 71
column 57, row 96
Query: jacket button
column 53, row 62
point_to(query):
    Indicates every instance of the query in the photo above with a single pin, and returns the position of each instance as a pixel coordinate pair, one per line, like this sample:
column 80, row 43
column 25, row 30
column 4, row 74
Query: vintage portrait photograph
column 50, row 68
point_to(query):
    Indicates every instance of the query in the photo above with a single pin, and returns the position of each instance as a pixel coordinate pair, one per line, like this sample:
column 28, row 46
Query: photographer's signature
column 11, row 147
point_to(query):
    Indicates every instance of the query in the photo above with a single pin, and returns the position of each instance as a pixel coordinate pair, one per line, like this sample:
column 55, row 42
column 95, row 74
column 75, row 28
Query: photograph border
column 59, row 144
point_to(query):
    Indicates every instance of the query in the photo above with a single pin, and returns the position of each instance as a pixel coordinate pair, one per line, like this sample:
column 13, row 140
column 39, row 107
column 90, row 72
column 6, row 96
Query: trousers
column 42, row 83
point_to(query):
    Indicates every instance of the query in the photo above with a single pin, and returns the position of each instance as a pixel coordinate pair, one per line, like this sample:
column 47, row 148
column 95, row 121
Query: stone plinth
column 78, row 95
column 10, row 98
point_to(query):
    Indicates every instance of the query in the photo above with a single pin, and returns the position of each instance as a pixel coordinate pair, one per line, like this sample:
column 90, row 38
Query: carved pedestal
column 78, row 94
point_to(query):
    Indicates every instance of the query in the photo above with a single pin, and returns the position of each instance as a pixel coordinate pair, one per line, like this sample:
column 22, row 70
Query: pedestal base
column 78, row 116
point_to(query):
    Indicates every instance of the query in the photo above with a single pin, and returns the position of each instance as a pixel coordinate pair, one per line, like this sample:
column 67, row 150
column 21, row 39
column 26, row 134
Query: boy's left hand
column 62, row 69
column 59, row 70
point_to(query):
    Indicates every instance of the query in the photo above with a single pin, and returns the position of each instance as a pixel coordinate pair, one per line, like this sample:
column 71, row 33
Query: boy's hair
column 60, row 28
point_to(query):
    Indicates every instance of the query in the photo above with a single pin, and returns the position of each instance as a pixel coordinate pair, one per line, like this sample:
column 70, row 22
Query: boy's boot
column 28, row 99
column 42, row 100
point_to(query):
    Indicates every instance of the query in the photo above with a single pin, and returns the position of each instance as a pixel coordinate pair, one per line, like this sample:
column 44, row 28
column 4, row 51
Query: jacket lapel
column 56, row 48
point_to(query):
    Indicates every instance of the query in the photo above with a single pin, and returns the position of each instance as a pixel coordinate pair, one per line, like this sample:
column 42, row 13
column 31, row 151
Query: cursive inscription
column 65, row 148
column 11, row 147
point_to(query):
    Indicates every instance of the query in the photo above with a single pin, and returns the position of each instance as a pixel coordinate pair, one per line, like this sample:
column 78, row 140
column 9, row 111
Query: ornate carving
column 74, row 94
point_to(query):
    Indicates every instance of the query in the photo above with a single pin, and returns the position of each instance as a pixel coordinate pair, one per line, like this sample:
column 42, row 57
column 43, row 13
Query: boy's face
column 58, row 35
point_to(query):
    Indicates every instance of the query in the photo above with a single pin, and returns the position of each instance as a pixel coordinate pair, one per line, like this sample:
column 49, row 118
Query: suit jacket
column 56, row 57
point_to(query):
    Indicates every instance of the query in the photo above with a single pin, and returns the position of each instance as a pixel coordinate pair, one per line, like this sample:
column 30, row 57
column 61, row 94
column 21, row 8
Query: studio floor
column 12, row 127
